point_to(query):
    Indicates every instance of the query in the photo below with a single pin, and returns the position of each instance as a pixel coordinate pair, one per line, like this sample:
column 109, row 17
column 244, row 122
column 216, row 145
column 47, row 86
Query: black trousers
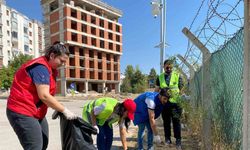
column 32, row 133
column 172, row 113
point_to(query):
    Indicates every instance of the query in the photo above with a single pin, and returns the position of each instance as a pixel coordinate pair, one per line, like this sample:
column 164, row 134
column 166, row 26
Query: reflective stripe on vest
column 173, row 85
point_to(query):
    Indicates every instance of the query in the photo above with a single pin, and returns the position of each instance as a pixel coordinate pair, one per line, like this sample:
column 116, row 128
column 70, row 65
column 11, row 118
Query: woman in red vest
column 32, row 92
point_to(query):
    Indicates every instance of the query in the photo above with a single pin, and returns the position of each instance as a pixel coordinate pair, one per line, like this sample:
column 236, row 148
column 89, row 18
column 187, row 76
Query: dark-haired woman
column 103, row 112
column 32, row 92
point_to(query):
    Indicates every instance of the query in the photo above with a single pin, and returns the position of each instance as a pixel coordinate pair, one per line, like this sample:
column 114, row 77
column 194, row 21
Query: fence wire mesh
column 226, row 80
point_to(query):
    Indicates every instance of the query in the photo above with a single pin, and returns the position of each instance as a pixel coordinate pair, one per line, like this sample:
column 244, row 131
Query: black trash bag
column 75, row 134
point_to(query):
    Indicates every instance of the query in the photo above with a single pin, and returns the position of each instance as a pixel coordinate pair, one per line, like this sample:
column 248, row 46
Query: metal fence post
column 205, row 88
column 246, row 78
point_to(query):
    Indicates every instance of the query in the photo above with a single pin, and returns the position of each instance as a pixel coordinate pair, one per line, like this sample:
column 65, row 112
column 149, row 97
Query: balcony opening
column 99, row 55
column 81, row 52
column 93, row 41
column 102, row 33
column 84, row 17
column 84, row 39
column 91, row 54
column 82, row 63
column 53, row 6
column 100, row 76
column 118, row 38
column 99, row 65
column 84, row 28
column 101, row 23
column 93, row 30
column 108, row 76
column 116, row 76
column 73, row 13
column 110, row 26
column 92, row 75
column 118, row 48
column 74, row 37
column 72, row 73
column 117, row 28
column 74, row 25
column 110, row 36
column 111, row 46
column 101, row 43
column 72, row 61
column 82, row 74
column 108, row 57
column 71, row 50
column 93, row 20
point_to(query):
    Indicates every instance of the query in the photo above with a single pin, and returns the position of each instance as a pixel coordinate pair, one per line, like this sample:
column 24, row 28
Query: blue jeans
column 140, row 135
column 105, row 137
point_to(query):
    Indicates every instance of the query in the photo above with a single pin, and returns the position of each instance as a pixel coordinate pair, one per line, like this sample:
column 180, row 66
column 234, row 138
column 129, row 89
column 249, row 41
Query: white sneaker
column 151, row 148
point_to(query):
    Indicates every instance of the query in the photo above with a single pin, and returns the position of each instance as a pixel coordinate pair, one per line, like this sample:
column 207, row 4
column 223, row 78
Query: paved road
column 9, row 140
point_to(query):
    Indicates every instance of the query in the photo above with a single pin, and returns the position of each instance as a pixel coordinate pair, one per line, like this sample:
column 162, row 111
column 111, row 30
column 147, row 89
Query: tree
column 134, row 80
column 152, row 78
column 7, row 73
column 138, row 81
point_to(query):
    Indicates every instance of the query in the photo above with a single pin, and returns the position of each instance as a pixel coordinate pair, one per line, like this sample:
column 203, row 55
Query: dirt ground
column 188, row 141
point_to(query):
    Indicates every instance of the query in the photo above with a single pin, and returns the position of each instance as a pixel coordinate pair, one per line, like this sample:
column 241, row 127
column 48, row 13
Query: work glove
column 157, row 139
column 68, row 114
column 97, row 129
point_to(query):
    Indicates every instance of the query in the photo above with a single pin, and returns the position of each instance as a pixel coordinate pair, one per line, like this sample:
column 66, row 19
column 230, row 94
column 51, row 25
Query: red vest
column 23, row 95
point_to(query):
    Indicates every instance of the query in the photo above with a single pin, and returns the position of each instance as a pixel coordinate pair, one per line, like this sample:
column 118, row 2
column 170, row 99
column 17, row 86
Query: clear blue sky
column 141, row 32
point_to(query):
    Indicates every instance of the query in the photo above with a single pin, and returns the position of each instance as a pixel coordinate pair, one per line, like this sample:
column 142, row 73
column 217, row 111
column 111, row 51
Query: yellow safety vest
column 173, row 85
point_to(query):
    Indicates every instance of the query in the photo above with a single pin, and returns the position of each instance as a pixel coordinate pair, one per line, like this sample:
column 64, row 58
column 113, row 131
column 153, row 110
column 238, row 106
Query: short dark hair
column 58, row 48
column 165, row 92
column 168, row 61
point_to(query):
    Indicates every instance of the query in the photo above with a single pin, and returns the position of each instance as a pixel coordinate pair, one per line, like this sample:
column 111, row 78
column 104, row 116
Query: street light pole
column 159, row 7
column 163, row 31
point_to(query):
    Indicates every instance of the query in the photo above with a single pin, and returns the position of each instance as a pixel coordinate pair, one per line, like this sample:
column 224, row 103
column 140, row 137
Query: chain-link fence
column 226, row 81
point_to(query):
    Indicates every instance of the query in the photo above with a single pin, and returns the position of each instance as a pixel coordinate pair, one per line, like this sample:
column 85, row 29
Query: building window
column 102, row 33
column 30, row 33
column 110, row 26
column 8, row 42
column 110, row 36
column 7, row 12
column 30, row 25
column 118, row 48
column 93, row 20
column 14, row 15
column 101, row 43
column 117, row 28
column 14, row 34
column 8, row 53
column 53, row 6
column 118, row 38
column 26, row 48
column 1, row 51
column 93, row 30
column 84, row 39
column 111, row 46
column 101, row 23
column 30, row 42
column 93, row 41
column 25, row 30
column 8, row 32
column 73, row 13
column 8, row 23
column 84, row 28
column 84, row 17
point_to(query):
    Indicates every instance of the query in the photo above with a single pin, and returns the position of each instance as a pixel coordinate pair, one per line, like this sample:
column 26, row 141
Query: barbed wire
column 217, row 28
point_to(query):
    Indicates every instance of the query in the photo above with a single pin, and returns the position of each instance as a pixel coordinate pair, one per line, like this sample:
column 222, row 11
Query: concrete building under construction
column 90, row 30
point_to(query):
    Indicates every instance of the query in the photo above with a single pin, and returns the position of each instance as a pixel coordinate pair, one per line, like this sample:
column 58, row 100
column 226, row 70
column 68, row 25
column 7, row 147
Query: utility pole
column 159, row 7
